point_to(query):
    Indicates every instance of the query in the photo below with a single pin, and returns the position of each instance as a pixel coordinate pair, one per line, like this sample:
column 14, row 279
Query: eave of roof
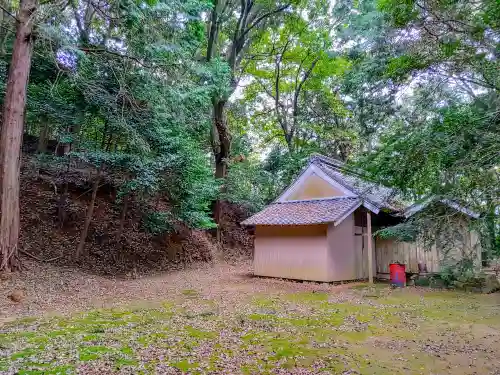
column 373, row 193
column 317, row 211
column 417, row 207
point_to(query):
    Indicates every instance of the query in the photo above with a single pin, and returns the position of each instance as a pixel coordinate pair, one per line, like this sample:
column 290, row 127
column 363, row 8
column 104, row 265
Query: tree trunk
column 68, row 144
column 492, row 248
column 212, row 35
column 43, row 138
column 63, row 197
column 11, row 135
column 104, row 134
column 123, row 215
column 88, row 218
column 289, row 142
column 110, row 142
column 157, row 203
column 61, row 205
column 221, row 149
column 67, row 148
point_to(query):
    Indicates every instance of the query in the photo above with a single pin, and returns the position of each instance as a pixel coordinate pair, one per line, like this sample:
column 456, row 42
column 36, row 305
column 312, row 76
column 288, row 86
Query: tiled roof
column 335, row 209
column 378, row 195
column 417, row 207
column 304, row 212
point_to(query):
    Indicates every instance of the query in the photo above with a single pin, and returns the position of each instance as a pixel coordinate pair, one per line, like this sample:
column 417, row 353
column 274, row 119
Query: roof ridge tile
column 316, row 199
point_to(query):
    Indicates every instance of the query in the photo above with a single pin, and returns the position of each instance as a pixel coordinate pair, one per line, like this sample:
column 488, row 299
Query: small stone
column 16, row 296
column 5, row 276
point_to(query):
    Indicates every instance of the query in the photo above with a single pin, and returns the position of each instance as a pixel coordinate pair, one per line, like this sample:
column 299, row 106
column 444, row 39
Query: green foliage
column 291, row 97
column 254, row 183
column 459, row 274
column 158, row 222
column 401, row 66
column 446, row 148
column 284, row 166
column 401, row 12
column 466, row 277
column 458, row 37
column 405, row 232
column 218, row 75
column 408, row 90
column 123, row 93
column 451, row 155
column 250, row 185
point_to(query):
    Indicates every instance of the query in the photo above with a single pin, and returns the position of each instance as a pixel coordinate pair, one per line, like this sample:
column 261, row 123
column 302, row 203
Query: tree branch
column 297, row 93
column 102, row 50
column 213, row 31
column 263, row 17
column 306, row 75
column 9, row 13
column 39, row 259
column 6, row 28
column 265, row 88
column 235, row 45
column 281, row 119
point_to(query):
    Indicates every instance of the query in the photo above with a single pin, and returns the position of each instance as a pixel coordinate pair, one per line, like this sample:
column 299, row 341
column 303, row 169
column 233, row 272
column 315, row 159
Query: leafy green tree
column 453, row 155
column 120, row 88
column 368, row 94
column 295, row 73
column 233, row 28
column 11, row 133
column 442, row 138
column 457, row 40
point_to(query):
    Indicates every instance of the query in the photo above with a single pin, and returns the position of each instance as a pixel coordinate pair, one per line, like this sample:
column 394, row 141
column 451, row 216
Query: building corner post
column 370, row 246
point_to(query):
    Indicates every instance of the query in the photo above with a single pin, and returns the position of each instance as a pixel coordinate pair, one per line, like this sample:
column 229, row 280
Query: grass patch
column 199, row 333
column 184, row 365
column 363, row 286
column 308, row 297
column 190, row 293
column 89, row 353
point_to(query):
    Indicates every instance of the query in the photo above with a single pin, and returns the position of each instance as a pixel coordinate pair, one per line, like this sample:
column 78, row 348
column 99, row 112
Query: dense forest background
column 146, row 121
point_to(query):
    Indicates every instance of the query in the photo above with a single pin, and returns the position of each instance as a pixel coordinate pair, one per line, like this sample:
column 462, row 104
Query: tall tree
column 443, row 138
column 295, row 74
column 457, row 40
column 12, row 132
column 233, row 26
column 370, row 97
column 138, row 96
column 120, row 88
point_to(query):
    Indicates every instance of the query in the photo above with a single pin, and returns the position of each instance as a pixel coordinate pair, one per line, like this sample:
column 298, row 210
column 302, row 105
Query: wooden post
column 370, row 247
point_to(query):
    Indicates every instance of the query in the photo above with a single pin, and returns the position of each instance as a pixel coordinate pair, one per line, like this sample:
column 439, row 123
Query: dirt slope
column 136, row 252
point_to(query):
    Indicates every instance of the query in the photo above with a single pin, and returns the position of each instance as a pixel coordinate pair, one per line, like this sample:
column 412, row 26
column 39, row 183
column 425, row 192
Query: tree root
column 39, row 259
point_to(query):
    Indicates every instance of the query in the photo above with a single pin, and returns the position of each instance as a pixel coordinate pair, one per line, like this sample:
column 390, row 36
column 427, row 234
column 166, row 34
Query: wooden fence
column 389, row 251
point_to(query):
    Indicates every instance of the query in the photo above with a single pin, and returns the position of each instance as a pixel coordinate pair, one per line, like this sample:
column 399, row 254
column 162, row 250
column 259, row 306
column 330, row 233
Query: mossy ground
column 363, row 330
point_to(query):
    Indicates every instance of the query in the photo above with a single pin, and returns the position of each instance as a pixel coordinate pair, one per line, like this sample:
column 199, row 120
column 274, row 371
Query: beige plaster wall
column 343, row 259
column 314, row 187
column 293, row 252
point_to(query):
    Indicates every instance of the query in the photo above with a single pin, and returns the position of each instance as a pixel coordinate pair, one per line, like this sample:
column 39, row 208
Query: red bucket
column 398, row 274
